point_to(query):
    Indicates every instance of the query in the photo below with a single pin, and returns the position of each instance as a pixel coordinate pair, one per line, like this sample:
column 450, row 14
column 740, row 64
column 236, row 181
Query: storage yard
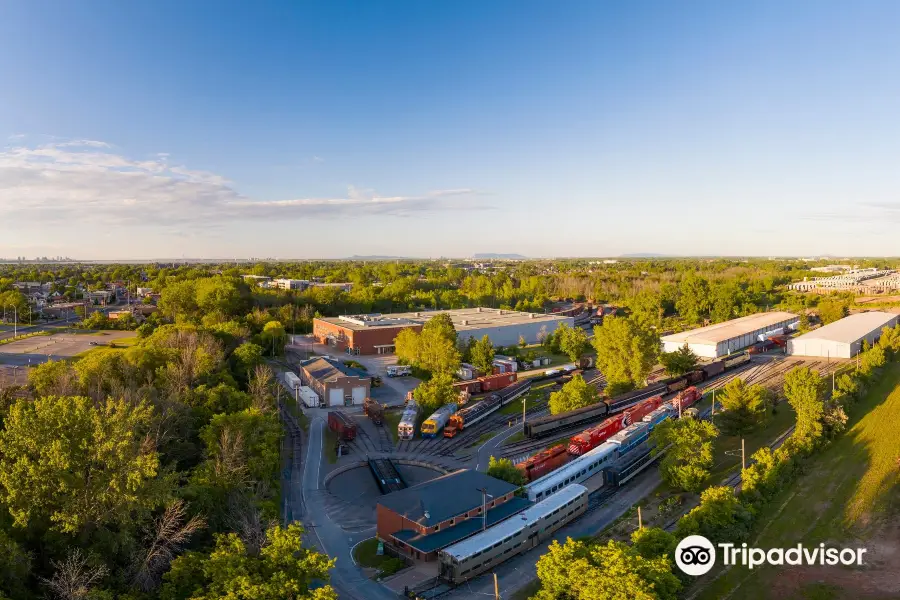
column 607, row 453
column 721, row 339
column 375, row 333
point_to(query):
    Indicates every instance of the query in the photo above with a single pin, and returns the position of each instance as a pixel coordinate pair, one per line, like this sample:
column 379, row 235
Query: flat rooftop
column 464, row 319
column 721, row 332
column 850, row 329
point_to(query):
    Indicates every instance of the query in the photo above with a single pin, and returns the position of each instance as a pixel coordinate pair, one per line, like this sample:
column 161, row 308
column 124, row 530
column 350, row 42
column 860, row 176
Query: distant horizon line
column 187, row 260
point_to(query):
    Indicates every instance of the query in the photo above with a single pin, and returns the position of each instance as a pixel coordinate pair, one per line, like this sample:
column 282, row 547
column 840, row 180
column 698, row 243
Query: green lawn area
column 849, row 493
column 516, row 437
column 117, row 344
column 532, row 399
column 366, row 554
column 776, row 424
column 391, row 421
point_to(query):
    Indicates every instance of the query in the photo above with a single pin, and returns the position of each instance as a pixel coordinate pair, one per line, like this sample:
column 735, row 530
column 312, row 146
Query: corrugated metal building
column 844, row 338
column 722, row 339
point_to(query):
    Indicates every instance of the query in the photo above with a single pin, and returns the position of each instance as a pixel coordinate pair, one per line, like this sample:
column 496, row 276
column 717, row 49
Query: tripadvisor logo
column 695, row 555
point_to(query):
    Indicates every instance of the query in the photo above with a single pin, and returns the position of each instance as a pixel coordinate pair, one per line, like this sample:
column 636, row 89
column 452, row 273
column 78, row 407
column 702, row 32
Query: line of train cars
column 452, row 419
column 544, row 426
column 618, row 449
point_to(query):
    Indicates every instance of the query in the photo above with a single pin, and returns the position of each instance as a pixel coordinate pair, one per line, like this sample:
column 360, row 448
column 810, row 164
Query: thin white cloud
column 84, row 181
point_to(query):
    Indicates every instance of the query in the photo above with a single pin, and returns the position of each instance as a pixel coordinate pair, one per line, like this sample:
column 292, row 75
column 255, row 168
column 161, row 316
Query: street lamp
column 484, row 497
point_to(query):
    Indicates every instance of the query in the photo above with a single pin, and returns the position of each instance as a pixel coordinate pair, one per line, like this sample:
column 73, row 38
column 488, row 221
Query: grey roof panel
column 850, row 329
column 444, row 497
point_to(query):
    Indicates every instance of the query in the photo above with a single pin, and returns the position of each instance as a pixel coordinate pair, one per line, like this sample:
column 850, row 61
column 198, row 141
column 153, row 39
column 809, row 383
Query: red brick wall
column 364, row 340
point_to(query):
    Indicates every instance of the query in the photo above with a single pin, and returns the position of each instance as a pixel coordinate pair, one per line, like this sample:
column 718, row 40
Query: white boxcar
column 309, row 397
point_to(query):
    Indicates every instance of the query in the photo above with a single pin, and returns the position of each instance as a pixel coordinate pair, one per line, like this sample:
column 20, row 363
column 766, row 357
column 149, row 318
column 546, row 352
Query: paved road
column 491, row 446
column 346, row 577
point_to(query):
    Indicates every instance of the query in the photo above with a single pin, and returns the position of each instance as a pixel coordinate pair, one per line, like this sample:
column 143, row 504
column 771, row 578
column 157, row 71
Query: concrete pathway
column 346, row 577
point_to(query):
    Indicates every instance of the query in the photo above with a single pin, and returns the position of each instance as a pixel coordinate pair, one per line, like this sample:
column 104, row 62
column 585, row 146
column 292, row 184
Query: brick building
column 375, row 333
column 334, row 382
column 419, row 521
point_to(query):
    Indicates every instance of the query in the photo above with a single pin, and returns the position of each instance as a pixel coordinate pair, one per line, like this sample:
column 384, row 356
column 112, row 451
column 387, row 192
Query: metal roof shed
column 844, row 338
column 721, row 339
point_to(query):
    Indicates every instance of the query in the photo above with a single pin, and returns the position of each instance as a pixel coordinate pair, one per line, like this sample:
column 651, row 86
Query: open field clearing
column 40, row 348
column 848, row 497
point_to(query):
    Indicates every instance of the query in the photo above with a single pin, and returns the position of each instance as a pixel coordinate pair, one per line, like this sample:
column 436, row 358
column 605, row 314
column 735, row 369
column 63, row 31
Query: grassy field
column 366, row 554
column 391, row 421
column 848, row 496
column 536, row 395
column 117, row 344
column 728, row 447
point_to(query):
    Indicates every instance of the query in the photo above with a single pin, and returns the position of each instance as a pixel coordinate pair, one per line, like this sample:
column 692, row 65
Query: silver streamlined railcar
column 582, row 468
column 484, row 551
column 406, row 429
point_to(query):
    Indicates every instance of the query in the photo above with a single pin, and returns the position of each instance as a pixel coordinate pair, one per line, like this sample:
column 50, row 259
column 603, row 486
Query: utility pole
column 523, row 412
column 496, row 588
column 743, row 456
column 640, row 519
column 484, row 497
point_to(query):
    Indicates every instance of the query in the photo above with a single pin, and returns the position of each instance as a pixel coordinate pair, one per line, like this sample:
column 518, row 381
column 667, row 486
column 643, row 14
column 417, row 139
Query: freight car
column 438, row 419
column 374, row 410
column 406, row 429
column 548, row 425
column 485, row 550
column 342, row 425
column 544, row 462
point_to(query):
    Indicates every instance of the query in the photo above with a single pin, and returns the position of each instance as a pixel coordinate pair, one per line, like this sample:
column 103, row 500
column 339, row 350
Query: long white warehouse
column 722, row 339
column 844, row 338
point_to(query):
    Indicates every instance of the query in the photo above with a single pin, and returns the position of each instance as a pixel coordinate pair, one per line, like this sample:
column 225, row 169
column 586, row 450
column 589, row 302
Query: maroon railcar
column 492, row 383
column 342, row 425
column 472, row 386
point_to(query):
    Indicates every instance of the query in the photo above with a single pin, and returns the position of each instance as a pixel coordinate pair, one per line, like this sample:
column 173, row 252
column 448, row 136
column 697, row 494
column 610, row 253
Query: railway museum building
column 375, row 333
column 721, row 339
column 334, row 382
column 419, row 521
column 843, row 338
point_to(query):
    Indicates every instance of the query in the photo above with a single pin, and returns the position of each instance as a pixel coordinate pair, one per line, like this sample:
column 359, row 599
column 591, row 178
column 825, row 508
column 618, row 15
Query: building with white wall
column 844, row 338
column 722, row 339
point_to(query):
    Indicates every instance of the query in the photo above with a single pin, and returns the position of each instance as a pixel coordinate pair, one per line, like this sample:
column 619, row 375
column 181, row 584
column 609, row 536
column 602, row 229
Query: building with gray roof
column 844, row 338
column 423, row 519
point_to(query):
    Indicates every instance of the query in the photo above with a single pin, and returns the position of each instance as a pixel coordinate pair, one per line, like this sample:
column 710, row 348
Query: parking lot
column 41, row 348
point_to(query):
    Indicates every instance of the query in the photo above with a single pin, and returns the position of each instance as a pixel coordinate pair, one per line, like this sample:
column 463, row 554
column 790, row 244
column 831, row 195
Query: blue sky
column 326, row 129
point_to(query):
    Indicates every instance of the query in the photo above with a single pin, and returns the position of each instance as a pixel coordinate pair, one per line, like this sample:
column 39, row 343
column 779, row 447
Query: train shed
column 428, row 517
column 844, row 338
column 722, row 339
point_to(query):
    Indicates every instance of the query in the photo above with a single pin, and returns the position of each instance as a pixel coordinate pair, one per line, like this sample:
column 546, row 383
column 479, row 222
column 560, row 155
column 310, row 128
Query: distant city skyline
column 327, row 130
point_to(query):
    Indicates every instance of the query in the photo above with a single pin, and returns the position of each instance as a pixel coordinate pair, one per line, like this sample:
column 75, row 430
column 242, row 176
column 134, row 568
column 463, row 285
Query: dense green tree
column 15, row 568
column 727, row 301
column 406, row 346
column 504, row 469
column 576, row 393
column 437, row 353
column 572, row 341
column 647, row 309
column 482, row 355
column 720, row 517
column 435, row 392
column 679, row 362
column 246, row 357
column 688, row 459
column 803, row 390
column 242, row 446
column 282, row 570
column 831, row 311
column 625, row 352
column 653, row 542
column 745, row 406
column 178, row 301
column 441, row 324
column 693, row 303
column 581, row 570
column 77, row 463
column 52, row 378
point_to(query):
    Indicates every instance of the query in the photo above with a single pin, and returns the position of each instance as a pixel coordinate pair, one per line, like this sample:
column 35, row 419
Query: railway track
column 384, row 439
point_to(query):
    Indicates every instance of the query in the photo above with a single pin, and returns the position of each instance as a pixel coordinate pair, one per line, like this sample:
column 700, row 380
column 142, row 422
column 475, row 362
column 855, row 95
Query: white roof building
column 844, row 338
column 722, row 339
